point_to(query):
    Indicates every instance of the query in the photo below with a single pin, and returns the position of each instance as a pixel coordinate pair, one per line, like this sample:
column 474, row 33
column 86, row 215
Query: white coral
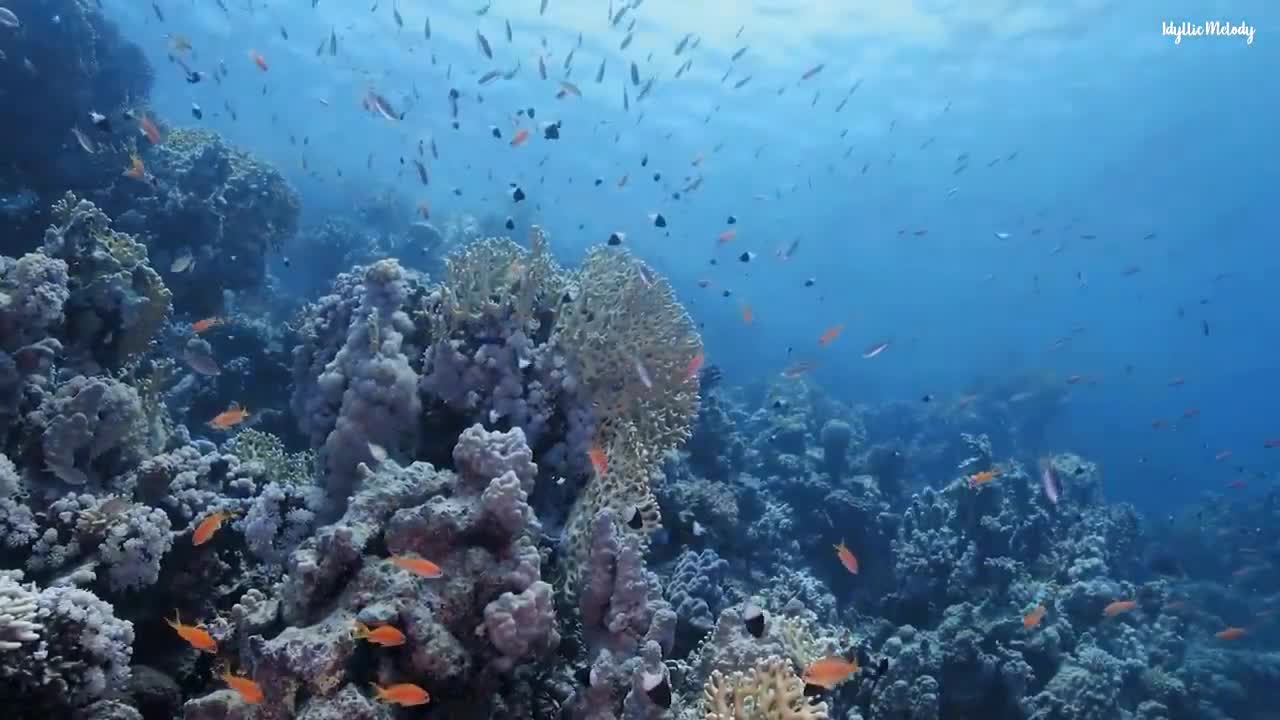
column 17, row 611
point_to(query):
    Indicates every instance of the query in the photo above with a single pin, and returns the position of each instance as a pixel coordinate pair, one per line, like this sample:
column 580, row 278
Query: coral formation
column 220, row 207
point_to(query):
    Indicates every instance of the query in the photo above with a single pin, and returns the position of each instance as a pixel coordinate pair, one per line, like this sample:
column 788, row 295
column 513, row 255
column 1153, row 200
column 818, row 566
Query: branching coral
column 770, row 691
column 79, row 652
column 496, row 279
column 17, row 615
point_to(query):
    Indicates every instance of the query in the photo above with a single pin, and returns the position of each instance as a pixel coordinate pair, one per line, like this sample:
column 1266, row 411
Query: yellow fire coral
column 770, row 691
column 495, row 272
column 633, row 342
column 628, row 344
column 633, row 346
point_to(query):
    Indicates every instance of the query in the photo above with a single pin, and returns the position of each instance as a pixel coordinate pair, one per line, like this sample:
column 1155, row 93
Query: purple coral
column 369, row 384
column 90, row 429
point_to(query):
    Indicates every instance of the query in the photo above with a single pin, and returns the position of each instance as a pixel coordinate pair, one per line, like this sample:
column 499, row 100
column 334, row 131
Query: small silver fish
column 484, row 45
column 643, row 374
column 83, row 140
column 183, row 262
column 199, row 357
column 600, row 72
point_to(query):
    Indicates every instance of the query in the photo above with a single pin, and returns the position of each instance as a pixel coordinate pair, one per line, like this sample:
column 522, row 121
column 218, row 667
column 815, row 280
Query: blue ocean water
column 1119, row 133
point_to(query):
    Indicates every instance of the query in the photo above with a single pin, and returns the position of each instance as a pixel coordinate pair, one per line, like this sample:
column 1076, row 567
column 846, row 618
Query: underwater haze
column 847, row 359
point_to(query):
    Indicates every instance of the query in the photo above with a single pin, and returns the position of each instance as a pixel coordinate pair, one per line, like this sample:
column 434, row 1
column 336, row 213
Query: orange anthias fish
column 249, row 691
column 846, row 558
column 829, row 671
column 983, row 477
column 148, row 128
column 196, row 636
column 830, row 334
column 599, row 461
column 1034, row 617
column 232, row 416
column 417, row 565
column 727, row 235
column 695, row 364
column 1119, row 606
column 136, row 169
column 258, row 60
column 521, row 135
column 208, row 526
column 384, row 635
column 747, row 316
column 1231, row 633
column 405, row 694
column 200, row 326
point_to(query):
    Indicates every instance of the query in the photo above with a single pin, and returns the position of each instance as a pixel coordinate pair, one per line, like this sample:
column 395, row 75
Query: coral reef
column 67, row 59
column 216, row 207
column 116, row 301
column 493, row 477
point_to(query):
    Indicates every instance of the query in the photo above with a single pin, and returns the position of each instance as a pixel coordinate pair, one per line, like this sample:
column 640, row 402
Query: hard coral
column 116, row 301
column 221, row 205
column 89, row 430
column 632, row 343
column 489, row 613
column 82, row 651
column 490, row 359
column 497, row 279
column 770, row 691
column 33, row 290
column 77, row 61
column 371, row 383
